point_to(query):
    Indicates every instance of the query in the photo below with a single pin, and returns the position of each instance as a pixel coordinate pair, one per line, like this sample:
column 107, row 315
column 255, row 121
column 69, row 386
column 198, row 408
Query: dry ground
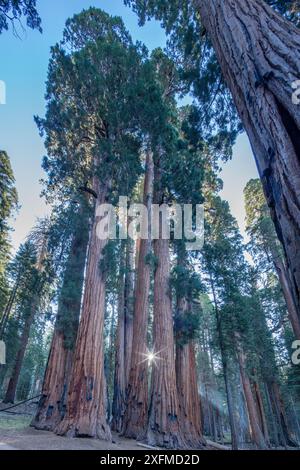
column 16, row 434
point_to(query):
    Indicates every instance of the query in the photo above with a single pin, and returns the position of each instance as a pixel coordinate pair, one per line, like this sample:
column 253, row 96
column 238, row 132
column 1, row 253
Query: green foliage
column 289, row 8
column 8, row 203
column 8, row 193
column 186, row 282
column 109, row 259
column 72, row 275
column 151, row 260
column 97, row 106
column 198, row 69
column 186, row 327
column 12, row 11
column 188, row 289
column 199, row 72
column 264, row 245
column 93, row 25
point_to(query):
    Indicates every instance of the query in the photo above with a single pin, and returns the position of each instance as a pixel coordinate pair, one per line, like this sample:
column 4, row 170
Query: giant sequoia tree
column 92, row 135
column 152, row 340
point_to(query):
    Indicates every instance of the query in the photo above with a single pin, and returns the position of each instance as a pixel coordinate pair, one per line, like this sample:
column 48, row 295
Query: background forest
column 174, row 348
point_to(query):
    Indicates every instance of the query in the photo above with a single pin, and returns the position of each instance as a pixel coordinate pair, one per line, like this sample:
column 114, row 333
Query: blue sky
column 24, row 69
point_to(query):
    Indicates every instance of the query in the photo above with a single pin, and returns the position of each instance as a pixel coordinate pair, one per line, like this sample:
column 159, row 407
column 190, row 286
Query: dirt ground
column 15, row 433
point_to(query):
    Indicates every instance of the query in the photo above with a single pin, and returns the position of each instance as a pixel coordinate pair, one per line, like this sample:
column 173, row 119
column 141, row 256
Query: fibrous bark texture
column 259, row 53
column 136, row 415
column 86, row 404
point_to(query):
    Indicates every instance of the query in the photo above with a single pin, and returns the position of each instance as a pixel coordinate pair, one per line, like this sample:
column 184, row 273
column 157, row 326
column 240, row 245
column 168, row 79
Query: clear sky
column 24, row 69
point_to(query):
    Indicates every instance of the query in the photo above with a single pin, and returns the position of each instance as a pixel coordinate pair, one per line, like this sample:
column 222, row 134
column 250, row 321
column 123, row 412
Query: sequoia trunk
column 129, row 306
column 136, row 415
column 256, row 432
column 186, row 371
column 253, row 45
column 188, row 394
column 118, row 406
column 165, row 426
column 86, row 403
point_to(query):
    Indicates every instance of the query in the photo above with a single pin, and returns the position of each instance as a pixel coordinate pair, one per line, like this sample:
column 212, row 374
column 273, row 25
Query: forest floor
column 16, row 434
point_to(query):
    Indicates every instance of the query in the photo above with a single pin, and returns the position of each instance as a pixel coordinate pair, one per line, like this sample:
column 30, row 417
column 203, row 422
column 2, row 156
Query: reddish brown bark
column 136, row 415
column 129, row 306
column 259, row 54
column 261, row 412
column 165, row 425
column 186, row 372
column 189, row 400
column 118, row 406
column 86, row 403
column 52, row 404
column 256, row 432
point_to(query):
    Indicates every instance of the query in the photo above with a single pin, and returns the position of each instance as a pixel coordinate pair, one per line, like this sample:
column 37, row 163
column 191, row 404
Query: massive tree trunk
column 13, row 382
column 285, row 435
column 129, row 307
column 259, row 54
column 256, row 432
column 261, row 412
column 188, row 394
column 52, row 405
column 136, row 415
column 86, row 404
column 186, row 374
column 272, row 416
column 165, row 425
column 118, row 406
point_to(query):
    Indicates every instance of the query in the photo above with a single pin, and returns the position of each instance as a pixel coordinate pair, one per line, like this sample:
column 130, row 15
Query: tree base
column 84, row 428
column 166, row 440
